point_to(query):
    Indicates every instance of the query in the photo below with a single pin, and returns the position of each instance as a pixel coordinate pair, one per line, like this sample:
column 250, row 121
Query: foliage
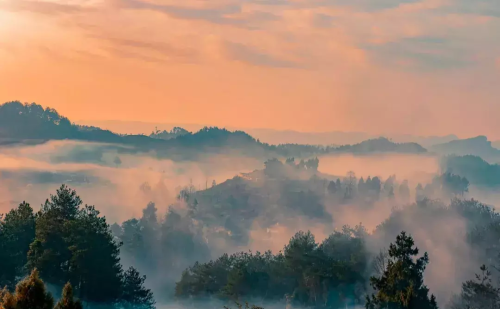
column 67, row 300
column 65, row 243
column 401, row 285
column 479, row 293
column 134, row 294
column 329, row 274
column 17, row 231
column 30, row 294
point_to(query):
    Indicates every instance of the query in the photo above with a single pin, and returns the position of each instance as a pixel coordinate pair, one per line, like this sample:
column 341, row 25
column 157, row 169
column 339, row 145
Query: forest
column 287, row 234
column 81, row 258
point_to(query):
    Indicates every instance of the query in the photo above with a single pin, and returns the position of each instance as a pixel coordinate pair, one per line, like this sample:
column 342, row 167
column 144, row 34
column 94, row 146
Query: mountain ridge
column 31, row 122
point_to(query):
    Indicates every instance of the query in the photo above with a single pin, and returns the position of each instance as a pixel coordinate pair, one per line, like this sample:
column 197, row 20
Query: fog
column 31, row 173
column 121, row 184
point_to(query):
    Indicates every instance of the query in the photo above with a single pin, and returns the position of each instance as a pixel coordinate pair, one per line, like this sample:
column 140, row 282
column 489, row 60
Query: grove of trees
column 67, row 242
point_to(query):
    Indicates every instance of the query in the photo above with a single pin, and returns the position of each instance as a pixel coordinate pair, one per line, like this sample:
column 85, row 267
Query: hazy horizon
column 424, row 67
column 367, row 174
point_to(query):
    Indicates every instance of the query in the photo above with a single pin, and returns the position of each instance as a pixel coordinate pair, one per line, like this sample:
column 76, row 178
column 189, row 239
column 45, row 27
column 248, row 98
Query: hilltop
column 32, row 123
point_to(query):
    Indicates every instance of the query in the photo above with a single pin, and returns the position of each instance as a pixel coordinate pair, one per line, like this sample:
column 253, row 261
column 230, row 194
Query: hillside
column 479, row 172
column 476, row 146
column 31, row 123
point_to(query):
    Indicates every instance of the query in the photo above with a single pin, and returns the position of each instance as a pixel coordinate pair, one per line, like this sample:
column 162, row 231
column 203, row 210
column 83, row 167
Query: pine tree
column 67, row 301
column 134, row 294
column 401, row 285
column 479, row 293
column 17, row 231
column 30, row 294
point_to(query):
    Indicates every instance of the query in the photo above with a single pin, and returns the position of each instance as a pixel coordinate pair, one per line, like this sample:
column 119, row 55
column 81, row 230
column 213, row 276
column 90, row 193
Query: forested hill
column 29, row 123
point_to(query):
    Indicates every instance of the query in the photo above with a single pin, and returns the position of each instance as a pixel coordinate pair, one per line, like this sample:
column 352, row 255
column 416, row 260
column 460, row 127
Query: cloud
column 479, row 7
column 428, row 53
column 142, row 49
column 370, row 5
column 43, row 7
column 246, row 54
column 217, row 16
column 362, row 57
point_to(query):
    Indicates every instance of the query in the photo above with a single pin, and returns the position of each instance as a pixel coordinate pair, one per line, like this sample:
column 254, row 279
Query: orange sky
column 380, row 66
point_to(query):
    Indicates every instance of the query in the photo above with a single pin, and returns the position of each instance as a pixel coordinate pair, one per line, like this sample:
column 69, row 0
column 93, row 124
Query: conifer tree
column 30, row 294
column 67, row 301
column 402, row 284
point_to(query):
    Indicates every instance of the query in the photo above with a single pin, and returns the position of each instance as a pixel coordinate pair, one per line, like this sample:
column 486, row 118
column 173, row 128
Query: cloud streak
column 344, row 61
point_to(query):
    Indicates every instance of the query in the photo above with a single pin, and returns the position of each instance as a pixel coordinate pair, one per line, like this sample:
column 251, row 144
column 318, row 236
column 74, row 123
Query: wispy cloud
column 246, row 54
column 332, row 58
column 42, row 7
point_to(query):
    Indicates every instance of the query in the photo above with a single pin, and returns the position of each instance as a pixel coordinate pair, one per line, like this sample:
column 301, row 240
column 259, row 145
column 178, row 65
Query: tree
column 401, row 285
column 30, row 294
column 419, row 192
column 134, row 294
column 454, row 184
column 361, row 186
column 479, row 293
column 17, row 232
column 332, row 188
column 338, row 184
column 375, row 186
column 75, row 244
column 350, row 185
column 404, row 191
column 67, row 301
column 94, row 264
column 312, row 164
column 49, row 252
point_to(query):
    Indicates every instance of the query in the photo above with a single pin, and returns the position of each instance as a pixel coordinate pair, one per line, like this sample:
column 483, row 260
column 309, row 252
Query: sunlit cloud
column 343, row 60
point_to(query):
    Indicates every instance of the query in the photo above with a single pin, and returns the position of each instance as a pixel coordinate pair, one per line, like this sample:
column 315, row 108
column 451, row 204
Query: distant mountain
column 166, row 135
column 381, row 145
column 31, row 123
column 476, row 146
column 340, row 138
column 476, row 170
column 273, row 136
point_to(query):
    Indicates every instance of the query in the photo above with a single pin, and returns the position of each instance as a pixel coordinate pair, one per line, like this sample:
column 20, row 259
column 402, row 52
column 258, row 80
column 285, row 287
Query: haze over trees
column 65, row 242
column 196, row 250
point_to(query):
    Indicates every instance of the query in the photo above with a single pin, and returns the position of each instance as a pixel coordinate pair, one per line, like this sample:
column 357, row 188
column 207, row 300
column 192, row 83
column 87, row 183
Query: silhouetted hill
column 476, row 146
column 20, row 123
column 476, row 170
column 381, row 145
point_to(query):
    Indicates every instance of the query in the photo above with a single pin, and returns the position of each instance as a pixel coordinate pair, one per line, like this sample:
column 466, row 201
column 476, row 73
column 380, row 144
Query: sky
column 426, row 67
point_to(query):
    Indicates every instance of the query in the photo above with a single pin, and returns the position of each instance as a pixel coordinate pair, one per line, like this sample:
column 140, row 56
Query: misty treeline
column 66, row 244
column 32, row 123
column 342, row 271
column 179, row 251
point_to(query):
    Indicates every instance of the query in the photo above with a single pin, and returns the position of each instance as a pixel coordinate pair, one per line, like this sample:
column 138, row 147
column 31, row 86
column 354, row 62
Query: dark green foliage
column 67, row 300
column 166, row 135
column 401, row 285
column 134, row 294
column 94, row 266
column 17, row 231
column 74, row 244
column 452, row 184
column 21, row 122
column 330, row 274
